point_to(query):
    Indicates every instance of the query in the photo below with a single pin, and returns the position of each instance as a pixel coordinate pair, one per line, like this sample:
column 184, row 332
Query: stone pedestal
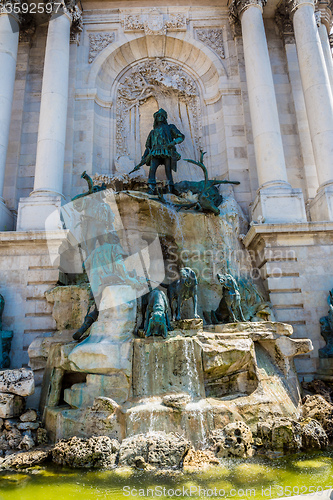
column 39, row 212
column 321, row 207
column 109, row 346
column 279, row 204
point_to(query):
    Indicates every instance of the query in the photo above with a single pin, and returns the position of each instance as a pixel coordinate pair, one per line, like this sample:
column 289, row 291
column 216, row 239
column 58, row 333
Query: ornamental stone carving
column 12, row 7
column 237, row 7
column 98, row 42
column 285, row 24
column 293, row 5
column 318, row 18
column 324, row 15
column 164, row 82
column 27, row 29
column 133, row 23
column 155, row 22
column 213, row 38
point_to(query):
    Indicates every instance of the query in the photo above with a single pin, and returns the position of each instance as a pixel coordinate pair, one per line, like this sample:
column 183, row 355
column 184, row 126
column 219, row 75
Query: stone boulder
column 11, row 405
column 29, row 416
column 20, row 382
column 319, row 387
column 199, row 460
column 229, row 365
column 281, row 434
column 94, row 452
column 25, row 459
column 70, row 305
column 156, row 448
column 234, row 440
column 317, row 408
column 176, row 401
column 313, row 435
column 131, row 448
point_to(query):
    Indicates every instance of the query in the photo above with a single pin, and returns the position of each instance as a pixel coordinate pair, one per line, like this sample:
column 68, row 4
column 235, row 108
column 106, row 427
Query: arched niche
column 188, row 80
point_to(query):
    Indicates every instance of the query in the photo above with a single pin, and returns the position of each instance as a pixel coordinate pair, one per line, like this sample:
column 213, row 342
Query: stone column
column 9, row 36
column 45, row 200
column 324, row 23
column 286, row 30
column 318, row 101
column 276, row 201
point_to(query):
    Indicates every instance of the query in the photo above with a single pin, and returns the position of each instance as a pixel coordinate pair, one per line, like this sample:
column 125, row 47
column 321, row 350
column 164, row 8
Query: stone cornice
column 298, row 229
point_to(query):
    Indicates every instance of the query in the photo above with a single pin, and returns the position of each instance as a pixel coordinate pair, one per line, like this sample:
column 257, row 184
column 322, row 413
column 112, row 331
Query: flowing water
column 237, row 479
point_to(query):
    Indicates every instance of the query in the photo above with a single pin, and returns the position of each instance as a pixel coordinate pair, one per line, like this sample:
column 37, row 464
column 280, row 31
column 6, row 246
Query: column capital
column 70, row 9
column 237, row 8
column 324, row 14
column 284, row 24
column 12, row 8
column 293, row 5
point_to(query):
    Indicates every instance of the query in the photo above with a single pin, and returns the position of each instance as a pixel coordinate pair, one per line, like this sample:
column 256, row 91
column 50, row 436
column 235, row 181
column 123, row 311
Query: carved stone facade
column 213, row 38
column 98, row 42
column 238, row 6
column 168, row 86
column 155, row 22
column 285, row 25
column 192, row 61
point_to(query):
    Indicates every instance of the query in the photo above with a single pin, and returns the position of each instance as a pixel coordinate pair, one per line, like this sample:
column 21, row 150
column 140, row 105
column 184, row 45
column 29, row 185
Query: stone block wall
column 295, row 262
column 26, row 272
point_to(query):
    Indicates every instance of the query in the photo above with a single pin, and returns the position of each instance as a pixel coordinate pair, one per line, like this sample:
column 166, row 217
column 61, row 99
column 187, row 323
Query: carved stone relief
column 213, row 37
column 168, row 86
column 98, row 42
column 155, row 22
column 285, row 24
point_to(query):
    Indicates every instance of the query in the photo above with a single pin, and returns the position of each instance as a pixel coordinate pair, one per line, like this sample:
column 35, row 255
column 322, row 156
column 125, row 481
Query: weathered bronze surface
column 156, row 315
column 326, row 329
column 5, row 339
column 161, row 150
column 183, row 289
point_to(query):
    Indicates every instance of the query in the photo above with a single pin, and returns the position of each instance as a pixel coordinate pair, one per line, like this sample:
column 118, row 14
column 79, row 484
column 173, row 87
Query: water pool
column 256, row 478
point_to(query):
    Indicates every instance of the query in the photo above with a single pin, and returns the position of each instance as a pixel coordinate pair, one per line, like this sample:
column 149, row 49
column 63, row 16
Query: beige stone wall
column 26, row 272
column 295, row 262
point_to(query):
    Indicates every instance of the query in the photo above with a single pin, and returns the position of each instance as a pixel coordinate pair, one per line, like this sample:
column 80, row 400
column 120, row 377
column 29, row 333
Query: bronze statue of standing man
column 161, row 150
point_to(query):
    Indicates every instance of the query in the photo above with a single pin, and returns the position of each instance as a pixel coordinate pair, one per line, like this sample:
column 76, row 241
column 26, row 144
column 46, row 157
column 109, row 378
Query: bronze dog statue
column 156, row 317
column 232, row 296
column 183, row 289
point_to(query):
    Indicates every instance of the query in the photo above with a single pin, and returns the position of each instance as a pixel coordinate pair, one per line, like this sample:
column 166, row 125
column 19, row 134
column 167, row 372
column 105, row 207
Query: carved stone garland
column 213, row 37
column 150, row 79
column 155, row 22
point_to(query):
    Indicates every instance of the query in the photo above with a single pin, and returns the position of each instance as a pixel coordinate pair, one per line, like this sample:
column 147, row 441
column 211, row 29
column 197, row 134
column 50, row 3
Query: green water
column 255, row 478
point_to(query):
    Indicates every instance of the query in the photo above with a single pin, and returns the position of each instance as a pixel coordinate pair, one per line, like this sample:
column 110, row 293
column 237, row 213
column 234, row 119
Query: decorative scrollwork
column 98, row 42
column 213, row 37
